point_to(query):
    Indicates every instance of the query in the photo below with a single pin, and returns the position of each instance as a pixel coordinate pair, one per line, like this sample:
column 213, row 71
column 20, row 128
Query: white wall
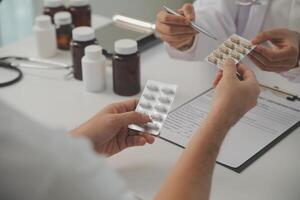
column 143, row 9
column 16, row 16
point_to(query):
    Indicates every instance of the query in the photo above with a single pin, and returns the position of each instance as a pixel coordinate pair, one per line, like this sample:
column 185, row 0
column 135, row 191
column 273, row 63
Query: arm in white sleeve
column 293, row 75
column 218, row 17
column 37, row 163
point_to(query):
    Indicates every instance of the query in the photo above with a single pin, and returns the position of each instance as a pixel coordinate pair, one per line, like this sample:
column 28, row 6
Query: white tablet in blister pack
column 156, row 101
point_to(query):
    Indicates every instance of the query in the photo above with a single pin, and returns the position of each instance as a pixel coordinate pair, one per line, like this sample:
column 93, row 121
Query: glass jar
column 63, row 24
column 126, row 68
column 82, row 37
column 81, row 12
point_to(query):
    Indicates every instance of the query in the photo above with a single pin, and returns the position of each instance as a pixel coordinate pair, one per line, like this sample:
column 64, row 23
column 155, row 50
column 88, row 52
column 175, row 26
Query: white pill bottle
column 45, row 37
column 93, row 69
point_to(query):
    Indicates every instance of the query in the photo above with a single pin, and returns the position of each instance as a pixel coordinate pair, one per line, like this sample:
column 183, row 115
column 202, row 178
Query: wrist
column 223, row 117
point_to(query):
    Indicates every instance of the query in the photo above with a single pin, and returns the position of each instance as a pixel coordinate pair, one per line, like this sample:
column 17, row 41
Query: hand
column 108, row 130
column 283, row 56
column 233, row 97
column 176, row 30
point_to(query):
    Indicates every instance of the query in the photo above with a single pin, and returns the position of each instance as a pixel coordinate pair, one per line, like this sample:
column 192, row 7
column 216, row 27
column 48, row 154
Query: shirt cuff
column 292, row 75
column 187, row 54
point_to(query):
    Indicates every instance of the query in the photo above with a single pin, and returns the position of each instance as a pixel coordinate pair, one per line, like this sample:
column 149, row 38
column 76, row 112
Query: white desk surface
column 46, row 97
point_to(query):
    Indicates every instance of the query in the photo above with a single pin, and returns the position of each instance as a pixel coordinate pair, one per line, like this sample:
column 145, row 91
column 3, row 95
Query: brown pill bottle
column 82, row 37
column 81, row 12
column 63, row 24
column 51, row 7
column 126, row 68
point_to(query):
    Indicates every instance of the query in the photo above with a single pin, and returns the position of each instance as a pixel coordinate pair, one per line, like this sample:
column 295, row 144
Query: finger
column 218, row 78
column 276, row 54
column 135, row 140
column 229, row 68
column 132, row 117
column 188, row 11
column 174, row 29
column 149, row 138
column 267, row 35
column 274, row 64
column 166, row 18
column 267, row 65
column 246, row 73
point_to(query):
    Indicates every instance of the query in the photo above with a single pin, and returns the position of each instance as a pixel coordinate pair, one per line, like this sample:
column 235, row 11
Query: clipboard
column 289, row 97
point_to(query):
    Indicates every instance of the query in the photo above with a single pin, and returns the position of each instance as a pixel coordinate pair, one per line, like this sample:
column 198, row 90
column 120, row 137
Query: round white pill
column 149, row 97
column 161, row 109
column 146, row 105
column 157, row 117
column 168, row 91
column 164, row 100
column 152, row 126
column 153, row 88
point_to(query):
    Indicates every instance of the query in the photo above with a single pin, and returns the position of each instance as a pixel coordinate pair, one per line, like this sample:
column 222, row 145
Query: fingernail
column 146, row 117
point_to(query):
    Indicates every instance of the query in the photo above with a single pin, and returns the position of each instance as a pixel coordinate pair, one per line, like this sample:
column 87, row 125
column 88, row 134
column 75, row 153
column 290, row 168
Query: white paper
column 272, row 117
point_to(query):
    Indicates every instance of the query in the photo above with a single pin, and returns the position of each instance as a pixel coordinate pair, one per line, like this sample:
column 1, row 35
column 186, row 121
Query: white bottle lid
column 43, row 21
column 83, row 34
column 126, row 47
column 53, row 3
column 78, row 3
column 62, row 18
column 93, row 52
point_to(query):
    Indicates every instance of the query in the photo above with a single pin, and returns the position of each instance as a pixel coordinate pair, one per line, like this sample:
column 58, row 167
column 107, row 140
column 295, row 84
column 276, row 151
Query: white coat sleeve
column 39, row 163
column 292, row 75
column 218, row 17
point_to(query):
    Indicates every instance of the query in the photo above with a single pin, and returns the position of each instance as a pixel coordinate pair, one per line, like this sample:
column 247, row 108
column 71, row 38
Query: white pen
column 193, row 25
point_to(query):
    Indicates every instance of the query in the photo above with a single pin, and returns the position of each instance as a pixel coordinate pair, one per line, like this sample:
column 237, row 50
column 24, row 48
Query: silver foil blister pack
column 235, row 47
column 156, row 101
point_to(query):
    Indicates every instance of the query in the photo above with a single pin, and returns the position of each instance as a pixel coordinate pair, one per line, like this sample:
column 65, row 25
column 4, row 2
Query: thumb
column 265, row 36
column 124, row 119
column 229, row 68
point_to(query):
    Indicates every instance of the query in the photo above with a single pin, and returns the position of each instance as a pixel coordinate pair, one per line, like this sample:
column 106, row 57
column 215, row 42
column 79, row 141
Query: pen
column 193, row 25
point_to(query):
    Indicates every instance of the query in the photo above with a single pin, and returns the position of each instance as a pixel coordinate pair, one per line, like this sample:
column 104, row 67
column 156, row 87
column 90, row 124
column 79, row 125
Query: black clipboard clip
column 287, row 95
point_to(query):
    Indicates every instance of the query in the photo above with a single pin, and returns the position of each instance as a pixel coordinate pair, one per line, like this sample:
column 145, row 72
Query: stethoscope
column 14, row 63
column 250, row 2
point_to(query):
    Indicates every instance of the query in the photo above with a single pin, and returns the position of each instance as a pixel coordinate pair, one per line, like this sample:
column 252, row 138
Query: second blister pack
column 235, row 47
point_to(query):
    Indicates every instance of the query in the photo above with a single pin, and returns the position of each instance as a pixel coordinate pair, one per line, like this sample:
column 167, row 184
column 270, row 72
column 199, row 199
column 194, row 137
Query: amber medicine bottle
column 126, row 68
column 51, row 7
column 63, row 24
column 81, row 12
column 82, row 37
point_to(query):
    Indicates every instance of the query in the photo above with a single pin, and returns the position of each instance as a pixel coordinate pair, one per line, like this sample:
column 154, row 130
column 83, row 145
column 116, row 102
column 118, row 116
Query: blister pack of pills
column 156, row 101
column 234, row 47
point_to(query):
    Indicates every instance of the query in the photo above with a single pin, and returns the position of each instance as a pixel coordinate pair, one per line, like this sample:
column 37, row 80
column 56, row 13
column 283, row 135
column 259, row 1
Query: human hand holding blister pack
column 156, row 102
column 282, row 52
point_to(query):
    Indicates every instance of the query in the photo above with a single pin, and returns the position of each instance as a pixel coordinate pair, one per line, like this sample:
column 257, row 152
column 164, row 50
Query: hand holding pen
column 176, row 30
column 178, row 27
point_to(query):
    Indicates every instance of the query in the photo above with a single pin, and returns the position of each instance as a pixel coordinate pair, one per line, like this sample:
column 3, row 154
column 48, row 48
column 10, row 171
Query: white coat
column 225, row 17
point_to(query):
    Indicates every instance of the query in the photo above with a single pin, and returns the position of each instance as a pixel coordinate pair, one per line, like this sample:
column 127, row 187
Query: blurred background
column 16, row 16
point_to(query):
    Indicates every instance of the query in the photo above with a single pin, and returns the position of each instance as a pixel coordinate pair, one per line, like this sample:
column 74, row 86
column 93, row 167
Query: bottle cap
column 126, row 47
column 53, row 3
column 78, row 3
column 62, row 18
column 43, row 21
column 93, row 51
column 83, row 34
